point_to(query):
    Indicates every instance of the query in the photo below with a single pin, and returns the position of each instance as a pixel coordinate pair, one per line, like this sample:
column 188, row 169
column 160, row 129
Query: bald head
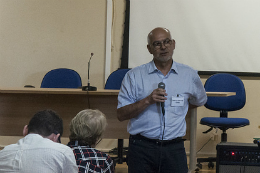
column 161, row 45
column 156, row 31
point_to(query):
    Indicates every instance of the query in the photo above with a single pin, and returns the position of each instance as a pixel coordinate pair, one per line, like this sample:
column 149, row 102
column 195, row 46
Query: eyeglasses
column 158, row 44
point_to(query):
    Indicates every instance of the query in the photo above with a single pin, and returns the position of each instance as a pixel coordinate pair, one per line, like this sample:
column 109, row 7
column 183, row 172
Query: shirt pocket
column 181, row 110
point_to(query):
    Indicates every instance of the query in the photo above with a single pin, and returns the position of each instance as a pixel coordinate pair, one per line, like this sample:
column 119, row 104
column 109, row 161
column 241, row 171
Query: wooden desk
column 17, row 106
column 220, row 94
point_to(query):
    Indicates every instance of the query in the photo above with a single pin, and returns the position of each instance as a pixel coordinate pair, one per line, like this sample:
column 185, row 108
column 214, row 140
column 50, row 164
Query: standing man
column 155, row 97
column 39, row 151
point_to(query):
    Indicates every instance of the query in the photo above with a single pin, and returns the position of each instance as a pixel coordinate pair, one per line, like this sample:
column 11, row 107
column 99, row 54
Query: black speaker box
column 238, row 158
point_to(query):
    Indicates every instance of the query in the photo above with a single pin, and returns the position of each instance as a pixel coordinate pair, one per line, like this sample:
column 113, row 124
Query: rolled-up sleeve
column 126, row 94
column 199, row 96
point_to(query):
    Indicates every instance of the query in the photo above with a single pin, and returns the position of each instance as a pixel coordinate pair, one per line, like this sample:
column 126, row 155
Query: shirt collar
column 76, row 144
column 174, row 67
column 152, row 68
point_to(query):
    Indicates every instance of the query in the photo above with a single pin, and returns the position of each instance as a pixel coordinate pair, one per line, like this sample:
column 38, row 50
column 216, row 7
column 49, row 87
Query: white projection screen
column 210, row 35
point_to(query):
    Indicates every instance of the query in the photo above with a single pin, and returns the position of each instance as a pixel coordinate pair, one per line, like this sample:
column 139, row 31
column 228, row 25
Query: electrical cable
column 88, row 99
column 203, row 145
column 162, row 85
column 161, row 145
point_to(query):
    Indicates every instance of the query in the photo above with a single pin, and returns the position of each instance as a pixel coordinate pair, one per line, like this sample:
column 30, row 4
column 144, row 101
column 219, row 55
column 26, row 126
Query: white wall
column 37, row 36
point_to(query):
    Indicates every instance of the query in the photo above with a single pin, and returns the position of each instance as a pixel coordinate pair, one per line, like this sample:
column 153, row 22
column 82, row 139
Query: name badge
column 177, row 101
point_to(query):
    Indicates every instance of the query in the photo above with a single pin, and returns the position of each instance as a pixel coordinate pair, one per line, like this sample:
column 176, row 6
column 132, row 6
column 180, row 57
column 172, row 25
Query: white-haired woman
column 86, row 129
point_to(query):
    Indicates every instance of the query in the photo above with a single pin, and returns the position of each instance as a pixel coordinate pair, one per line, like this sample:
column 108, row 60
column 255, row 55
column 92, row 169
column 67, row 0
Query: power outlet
column 214, row 136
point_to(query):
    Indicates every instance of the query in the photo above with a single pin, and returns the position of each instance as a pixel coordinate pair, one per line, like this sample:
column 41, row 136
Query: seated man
column 86, row 129
column 38, row 151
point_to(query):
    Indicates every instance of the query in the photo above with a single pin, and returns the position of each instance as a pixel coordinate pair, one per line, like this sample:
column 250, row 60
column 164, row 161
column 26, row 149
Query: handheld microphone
column 162, row 85
column 89, row 88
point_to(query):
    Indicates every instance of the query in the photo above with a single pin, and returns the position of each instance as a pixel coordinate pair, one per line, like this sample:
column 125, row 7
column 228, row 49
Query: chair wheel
column 199, row 166
column 211, row 165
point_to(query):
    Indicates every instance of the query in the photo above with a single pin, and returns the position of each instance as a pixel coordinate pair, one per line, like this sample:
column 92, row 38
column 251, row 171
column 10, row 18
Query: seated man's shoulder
column 37, row 142
column 47, row 143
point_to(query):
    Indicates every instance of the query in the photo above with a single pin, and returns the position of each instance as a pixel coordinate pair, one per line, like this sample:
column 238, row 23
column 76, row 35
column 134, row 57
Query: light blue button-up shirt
column 182, row 81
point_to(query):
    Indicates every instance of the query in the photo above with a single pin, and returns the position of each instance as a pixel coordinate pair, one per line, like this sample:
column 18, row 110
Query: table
column 18, row 105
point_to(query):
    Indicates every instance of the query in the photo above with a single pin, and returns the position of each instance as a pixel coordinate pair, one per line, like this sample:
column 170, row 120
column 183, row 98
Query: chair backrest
column 61, row 78
column 115, row 79
column 225, row 82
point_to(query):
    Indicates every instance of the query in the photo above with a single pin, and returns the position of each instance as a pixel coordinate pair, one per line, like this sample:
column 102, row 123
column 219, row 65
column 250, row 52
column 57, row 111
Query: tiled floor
column 122, row 168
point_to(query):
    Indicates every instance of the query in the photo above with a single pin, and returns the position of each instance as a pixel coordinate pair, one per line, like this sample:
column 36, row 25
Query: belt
column 156, row 141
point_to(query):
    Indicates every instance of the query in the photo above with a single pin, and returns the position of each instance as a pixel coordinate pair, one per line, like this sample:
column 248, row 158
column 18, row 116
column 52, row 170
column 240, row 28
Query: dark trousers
column 151, row 156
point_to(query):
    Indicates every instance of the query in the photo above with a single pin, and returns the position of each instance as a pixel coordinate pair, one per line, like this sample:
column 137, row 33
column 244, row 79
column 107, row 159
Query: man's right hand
column 158, row 95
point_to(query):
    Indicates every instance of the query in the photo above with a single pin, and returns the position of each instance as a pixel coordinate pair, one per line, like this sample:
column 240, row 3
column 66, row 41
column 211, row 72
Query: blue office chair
column 114, row 82
column 61, row 78
column 115, row 79
column 223, row 82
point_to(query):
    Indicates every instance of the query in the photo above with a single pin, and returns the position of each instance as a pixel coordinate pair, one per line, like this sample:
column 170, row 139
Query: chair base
column 120, row 150
column 209, row 159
